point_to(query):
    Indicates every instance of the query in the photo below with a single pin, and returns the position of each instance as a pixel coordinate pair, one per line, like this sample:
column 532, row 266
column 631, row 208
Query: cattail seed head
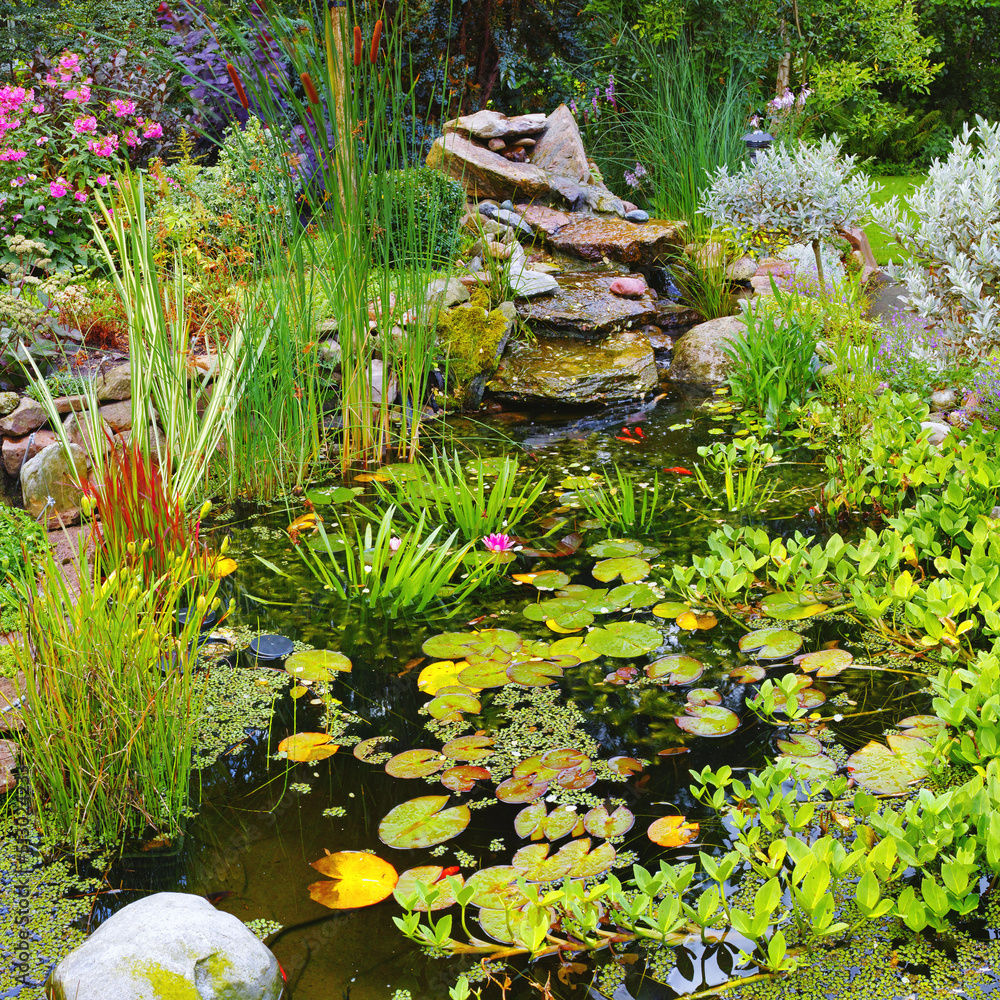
column 357, row 45
column 376, row 38
column 240, row 92
column 310, row 88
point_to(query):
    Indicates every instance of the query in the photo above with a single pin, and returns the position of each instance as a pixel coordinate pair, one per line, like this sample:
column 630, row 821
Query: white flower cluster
column 808, row 191
column 951, row 237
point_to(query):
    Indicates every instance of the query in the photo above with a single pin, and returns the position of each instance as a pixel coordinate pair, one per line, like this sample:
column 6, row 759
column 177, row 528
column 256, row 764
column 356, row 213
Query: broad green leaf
column 629, row 569
column 708, row 720
column 317, row 665
column 825, row 662
column 891, row 769
column 771, row 643
column 599, row 823
column 415, row 763
column 625, row 639
column 432, row 877
column 615, row 548
column 423, row 822
column 675, row 669
column 670, row 609
column 789, row 607
column 464, row 777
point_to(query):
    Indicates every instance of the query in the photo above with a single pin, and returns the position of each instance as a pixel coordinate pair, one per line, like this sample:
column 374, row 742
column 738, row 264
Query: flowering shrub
column 59, row 144
column 986, row 385
column 950, row 239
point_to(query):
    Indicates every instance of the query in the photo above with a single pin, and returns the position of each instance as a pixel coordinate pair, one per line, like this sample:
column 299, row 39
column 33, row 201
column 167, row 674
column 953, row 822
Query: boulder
column 8, row 402
column 937, row 431
column 698, row 353
column 67, row 404
column 560, row 149
column 48, row 476
column 575, row 373
column 169, row 944
column 574, row 194
column 527, row 283
column 543, row 220
column 118, row 415
column 26, row 417
column 81, row 430
column 484, row 173
column 583, row 305
column 443, row 293
column 600, row 199
column 114, row 384
column 742, row 269
column 488, row 125
column 15, row 449
column 593, row 238
column 944, row 399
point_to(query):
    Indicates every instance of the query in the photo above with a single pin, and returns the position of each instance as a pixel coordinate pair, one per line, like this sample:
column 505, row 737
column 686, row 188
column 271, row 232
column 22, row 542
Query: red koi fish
column 679, row 470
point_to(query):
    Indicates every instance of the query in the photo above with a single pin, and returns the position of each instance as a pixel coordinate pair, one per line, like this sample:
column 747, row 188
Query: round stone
column 637, row 215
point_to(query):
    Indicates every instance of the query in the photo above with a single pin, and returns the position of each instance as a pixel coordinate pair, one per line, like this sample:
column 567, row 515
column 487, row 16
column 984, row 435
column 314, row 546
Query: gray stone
column 49, row 476
column 938, row 431
column 26, row 417
column 560, row 150
column 600, row 199
column 995, row 513
column 573, row 193
column 742, row 269
column 497, row 145
column 487, row 125
column 526, row 283
column 943, row 399
column 506, row 206
column 888, row 299
column 81, row 430
column 118, row 415
column 507, row 217
column 114, row 384
column 15, row 449
column 483, row 172
column 698, row 353
column 443, row 293
column 636, row 215
column 8, row 402
column 169, row 944
column 574, row 372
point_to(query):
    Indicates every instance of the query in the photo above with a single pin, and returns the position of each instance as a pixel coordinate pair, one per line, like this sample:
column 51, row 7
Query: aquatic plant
column 621, row 505
column 22, row 545
column 741, row 484
column 703, row 279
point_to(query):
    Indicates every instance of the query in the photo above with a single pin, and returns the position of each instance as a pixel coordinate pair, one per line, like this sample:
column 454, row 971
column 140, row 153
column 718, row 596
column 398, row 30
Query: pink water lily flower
column 499, row 543
column 394, row 543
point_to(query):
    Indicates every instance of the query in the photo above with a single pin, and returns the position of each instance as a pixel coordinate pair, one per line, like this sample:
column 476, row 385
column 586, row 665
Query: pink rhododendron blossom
column 155, row 131
column 83, row 125
column 81, row 94
column 58, row 189
column 123, row 108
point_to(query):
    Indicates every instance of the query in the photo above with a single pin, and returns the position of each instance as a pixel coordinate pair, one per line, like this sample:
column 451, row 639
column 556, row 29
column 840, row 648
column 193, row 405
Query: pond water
column 252, row 842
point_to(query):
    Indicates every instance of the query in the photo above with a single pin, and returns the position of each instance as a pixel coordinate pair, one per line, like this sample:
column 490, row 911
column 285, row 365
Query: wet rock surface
column 594, row 238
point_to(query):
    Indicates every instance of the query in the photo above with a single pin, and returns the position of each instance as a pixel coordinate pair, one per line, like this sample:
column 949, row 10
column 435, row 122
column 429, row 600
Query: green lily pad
column 750, row 673
column 526, row 789
column 402, row 472
column 529, row 819
column 670, row 609
column 615, row 548
column 629, row 569
column 415, row 764
column 431, row 877
column 790, row 607
column 451, row 707
column 512, row 926
column 815, row 766
column 423, row 822
column 317, row 665
column 532, row 767
column 800, row 745
column 468, row 748
column 627, row 639
column 631, row 595
column 463, row 777
column 550, row 579
column 890, row 770
column 675, row 669
column 561, row 822
column 569, row 646
column 534, row 673
column 496, row 887
column 771, row 643
column 599, row 823
column 562, row 758
column 923, row 726
column 485, row 675
column 806, row 697
column 575, row 859
column 569, row 612
column 704, row 696
column 708, row 720
column 825, row 662
column 576, row 779
column 326, row 495
column 458, row 645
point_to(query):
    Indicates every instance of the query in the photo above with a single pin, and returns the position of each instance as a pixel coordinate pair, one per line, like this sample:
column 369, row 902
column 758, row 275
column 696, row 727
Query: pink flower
column 102, row 179
column 17, row 182
column 13, row 155
column 58, row 189
column 394, row 543
column 80, row 196
column 131, row 139
column 81, row 94
column 499, row 543
column 41, row 140
column 84, row 125
column 123, row 108
column 39, row 109
column 103, row 147
column 70, row 62
column 155, row 131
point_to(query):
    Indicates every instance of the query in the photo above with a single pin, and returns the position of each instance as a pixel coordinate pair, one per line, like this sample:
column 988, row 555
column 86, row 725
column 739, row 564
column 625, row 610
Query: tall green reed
column 617, row 504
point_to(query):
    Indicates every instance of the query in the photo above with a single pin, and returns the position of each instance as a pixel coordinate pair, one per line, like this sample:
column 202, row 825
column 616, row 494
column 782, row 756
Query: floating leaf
column 631, row 595
column 562, row 821
column 708, row 720
column 806, row 697
column 625, row 639
column 561, row 650
column 512, row 926
column 673, row 751
column 923, row 726
column 672, row 831
column 496, row 887
column 599, row 823
column 304, row 522
column 615, row 548
column 368, row 750
column 825, row 662
column 450, row 707
column 423, row 822
column 575, row 859
column 415, row 764
column 464, row 777
column 562, row 629
column 407, row 893
column 533, row 767
column 800, row 745
column 443, row 673
column 317, row 664
column 332, row 494
column 526, row 789
column 468, row 748
column 224, row 566
column 624, row 766
column 530, row 819
column 629, row 569
column 771, row 643
column 458, row 645
column 748, row 674
column 670, row 609
column 675, row 669
column 790, row 607
column 704, row 696
column 551, row 579
column 484, row 675
column 534, row 673
column 575, row 778
column 308, row 746
column 359, row 879
column 563, row 757
column 812, row 766
column 692, row 622
column 890, row 769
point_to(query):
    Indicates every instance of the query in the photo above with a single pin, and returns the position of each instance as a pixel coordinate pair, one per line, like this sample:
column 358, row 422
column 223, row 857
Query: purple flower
column 499, row 543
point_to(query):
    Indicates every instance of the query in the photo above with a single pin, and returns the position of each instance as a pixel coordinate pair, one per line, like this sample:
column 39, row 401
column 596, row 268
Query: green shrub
column 20, row 537
column 421, row 202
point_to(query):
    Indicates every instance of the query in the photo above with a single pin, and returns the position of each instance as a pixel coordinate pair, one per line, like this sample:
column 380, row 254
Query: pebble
column 943, row 399
column 637, row 215
column 628, row 288
column 508, row 204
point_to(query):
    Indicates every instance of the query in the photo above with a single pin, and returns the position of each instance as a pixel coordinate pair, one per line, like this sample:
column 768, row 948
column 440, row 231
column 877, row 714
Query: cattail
column 240, row 92
column 357, row 46
column 376, row 37
column 310, row 88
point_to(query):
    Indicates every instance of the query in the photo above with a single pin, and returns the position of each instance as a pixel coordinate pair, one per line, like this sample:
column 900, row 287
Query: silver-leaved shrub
column 949, row 232
column 809, row 191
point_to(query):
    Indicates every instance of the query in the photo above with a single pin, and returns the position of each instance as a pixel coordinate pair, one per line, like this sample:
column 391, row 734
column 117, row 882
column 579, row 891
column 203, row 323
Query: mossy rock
column 471, row 338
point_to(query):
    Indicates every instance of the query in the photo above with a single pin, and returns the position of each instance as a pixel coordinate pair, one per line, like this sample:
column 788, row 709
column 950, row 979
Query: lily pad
column 693, row 622
column 325, row 495
column 530, row 819
column 813, row 766
column 670, row 609
column 534, row 673
column 615, row 548
column 443, row 673
column 708, row 720
column 484, row 675
column 564, row 757
column 599, row 823
column 631, row 595
column 533, row 767
column 464, row 777
column 800, row 745
column 496, row 887
column 624, row 766
column 568, row 612
column 551, row 579
column 672, row 831
column 434, row 877
column 807, row 697
column 418, row 763
column 359, row 879
column 573, row 645
column 625, row 639
column 629, row 568
column 675, row 669
column 771, row 643
column 451, row 707
column 704, row 696
column 369, row 750
column 575, row 859
column 825, row 662
column 317, row 665
column 750, row 673
column 423, row 822
column 890, row 770
column 468, row 748
column 526, row 789
column 924, row 726
column 308, row 746
column 790, row 607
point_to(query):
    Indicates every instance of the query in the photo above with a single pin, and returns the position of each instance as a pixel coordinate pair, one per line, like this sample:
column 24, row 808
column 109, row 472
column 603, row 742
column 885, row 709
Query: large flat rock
column 592, row 238
column 574, row 373
column 485, row 174
column 495, row 125
column 583, row 306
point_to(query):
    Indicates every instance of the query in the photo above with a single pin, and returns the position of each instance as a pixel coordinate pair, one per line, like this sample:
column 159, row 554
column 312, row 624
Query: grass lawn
column 883, row 246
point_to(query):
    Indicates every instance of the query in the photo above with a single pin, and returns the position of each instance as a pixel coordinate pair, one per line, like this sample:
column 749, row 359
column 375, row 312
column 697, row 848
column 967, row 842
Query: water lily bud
column 201, row 604
column 205, row 508
column 216, row 603
column 224, row 548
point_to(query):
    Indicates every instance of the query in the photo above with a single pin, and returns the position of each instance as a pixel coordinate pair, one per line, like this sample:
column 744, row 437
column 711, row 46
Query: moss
column 471, row 335
column 167, row 985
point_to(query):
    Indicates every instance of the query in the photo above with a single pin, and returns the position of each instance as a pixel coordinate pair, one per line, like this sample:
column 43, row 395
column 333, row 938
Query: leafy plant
column 741, row 484
column 703, row 279
column 22, row 545
column 617, row 506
